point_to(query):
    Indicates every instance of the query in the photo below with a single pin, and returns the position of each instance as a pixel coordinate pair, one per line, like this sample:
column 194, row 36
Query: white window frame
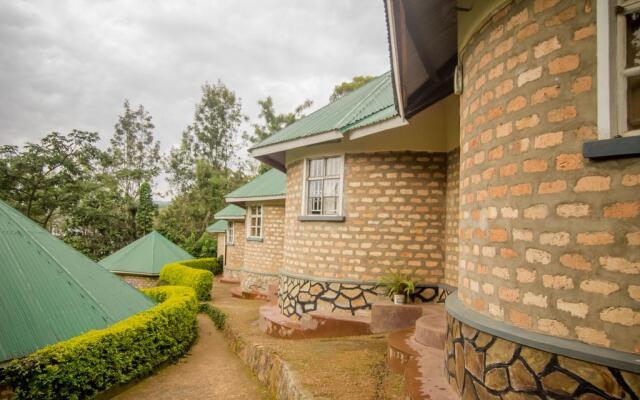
column 251, row 216
column 230, row 233
column 612, row 75
column 305, row 179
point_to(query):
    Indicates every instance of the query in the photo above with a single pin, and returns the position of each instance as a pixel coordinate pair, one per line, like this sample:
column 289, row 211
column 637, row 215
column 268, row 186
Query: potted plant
column 399, row 287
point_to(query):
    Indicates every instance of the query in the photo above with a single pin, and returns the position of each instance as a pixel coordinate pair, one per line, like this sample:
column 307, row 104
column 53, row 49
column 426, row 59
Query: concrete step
column 431, row 328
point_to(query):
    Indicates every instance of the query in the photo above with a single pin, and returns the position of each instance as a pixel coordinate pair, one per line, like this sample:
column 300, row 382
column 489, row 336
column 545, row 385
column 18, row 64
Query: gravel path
column 209, row 371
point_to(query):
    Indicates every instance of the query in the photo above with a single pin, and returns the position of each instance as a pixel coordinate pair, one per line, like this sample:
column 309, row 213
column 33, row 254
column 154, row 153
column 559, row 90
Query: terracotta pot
column 398, row 299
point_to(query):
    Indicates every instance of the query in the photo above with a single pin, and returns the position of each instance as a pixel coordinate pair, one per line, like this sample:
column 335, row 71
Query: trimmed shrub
column 180, row 274
column 98, row 360
column 217, row 316
column 210, row 264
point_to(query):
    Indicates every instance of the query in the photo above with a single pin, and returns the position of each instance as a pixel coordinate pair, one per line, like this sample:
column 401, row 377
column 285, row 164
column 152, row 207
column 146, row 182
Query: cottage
column 233, row 241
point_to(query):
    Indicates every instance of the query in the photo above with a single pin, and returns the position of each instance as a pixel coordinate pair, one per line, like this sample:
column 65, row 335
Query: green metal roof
column 146, row 255
column 218, row 227
column 272, row 183
column 231, row 211
column 49, row 292
column 370, row 104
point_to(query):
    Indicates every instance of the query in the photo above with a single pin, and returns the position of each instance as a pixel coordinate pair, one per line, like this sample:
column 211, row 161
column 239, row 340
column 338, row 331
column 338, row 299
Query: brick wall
column 550, row 241
column 451, row 218
column 220, row 244
column 235, row 251
column 395, row 218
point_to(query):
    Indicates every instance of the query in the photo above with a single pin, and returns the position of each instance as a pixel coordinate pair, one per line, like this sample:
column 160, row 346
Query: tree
column 44, row 178
column 347, row 87
column 146, row 210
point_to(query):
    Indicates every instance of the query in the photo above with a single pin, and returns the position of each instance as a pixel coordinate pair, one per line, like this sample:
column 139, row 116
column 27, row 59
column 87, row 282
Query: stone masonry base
column 483, row 366
column 140, row 282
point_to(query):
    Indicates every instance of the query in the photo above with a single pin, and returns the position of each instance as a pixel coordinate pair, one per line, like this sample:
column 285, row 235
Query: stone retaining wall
column 140, row 282
column 257, row 282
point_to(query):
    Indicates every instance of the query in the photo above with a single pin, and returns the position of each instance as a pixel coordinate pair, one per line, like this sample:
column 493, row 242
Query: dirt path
column 210, row 371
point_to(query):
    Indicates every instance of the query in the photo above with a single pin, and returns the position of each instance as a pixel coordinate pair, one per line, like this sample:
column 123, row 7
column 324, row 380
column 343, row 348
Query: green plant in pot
column 399, row 287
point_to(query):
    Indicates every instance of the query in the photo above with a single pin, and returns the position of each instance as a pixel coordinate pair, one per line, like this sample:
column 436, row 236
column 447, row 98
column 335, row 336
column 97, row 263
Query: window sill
column 254, row 239
column 325, row 218
column 620, row 147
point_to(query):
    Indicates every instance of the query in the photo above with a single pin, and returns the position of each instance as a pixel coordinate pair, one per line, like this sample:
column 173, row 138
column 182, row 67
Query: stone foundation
column 232, row 273
column 483, row 366
column 140, row 282
column 257, row 282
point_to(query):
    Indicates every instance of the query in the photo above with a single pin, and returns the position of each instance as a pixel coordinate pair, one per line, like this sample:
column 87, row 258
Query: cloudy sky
column 68, row 64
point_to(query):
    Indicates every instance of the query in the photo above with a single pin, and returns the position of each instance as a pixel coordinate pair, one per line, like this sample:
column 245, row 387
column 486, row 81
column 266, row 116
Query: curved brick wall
column 550, row 241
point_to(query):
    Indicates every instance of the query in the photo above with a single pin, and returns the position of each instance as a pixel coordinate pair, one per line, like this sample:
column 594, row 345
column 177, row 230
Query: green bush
column 98, row 360
column 180, row 274
column 217, row 316
column 210, row 264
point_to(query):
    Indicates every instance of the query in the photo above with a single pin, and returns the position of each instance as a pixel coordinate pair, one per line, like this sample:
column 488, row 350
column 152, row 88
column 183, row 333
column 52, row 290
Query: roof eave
column 385, row 125
column 235, row 217
column 254, row 198
column 393, row 48
column 319, row 138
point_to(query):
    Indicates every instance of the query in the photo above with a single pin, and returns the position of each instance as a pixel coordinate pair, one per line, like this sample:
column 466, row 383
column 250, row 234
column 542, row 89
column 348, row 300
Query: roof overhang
column 424, row 45
column 392, row 123
column 253, row 199
column 240, row 218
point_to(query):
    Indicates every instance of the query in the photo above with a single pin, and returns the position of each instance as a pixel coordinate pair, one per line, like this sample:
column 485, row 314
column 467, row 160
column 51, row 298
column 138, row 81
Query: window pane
column 333, row 166
column 331, row 187
column 315, row 205
column 316, row 168
column 633, row 102
column 315, row 188
column 633, row 39
column 330, row 205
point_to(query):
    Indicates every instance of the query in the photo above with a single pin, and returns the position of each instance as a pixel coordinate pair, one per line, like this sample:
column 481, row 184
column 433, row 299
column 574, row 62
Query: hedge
column 98, row 360
column 210, row 264
column 218, row 316
column 181, row 275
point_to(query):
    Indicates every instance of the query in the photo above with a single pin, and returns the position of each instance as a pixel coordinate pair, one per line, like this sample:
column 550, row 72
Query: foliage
column 180, row 275
column 45, row 178
column 102, row 359
column 146, row 210
column 218, row 316
column 347, row 87
column 397, row 283
column 209, row 264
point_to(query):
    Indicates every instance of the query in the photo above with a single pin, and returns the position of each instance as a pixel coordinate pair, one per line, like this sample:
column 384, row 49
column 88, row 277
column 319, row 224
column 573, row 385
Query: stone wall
column 235, row 251
column 452, row 217
column 550, row 241
column 140, row 282
column 395, row 216
column 482, row 366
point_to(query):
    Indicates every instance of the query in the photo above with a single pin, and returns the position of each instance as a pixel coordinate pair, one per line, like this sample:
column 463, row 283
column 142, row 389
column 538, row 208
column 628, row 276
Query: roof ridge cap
column 360, row 104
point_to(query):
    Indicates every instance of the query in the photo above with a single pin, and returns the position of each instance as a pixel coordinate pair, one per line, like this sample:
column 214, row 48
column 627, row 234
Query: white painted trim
column 248, row 222
column 605, row 55
column 392, row 123
column 293, row 144
column 394, row 57
column 249, row 199
column 340, row 204
column 231, row 229
column 230, row 218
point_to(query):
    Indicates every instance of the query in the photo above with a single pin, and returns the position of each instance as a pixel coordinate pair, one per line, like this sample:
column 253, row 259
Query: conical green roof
column 145, row 256
column 218, row 226
column 49, row 292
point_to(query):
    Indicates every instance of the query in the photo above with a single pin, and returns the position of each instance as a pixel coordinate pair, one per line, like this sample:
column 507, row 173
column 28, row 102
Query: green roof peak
column 270, row 185
column 218, row 227
column 231, row 211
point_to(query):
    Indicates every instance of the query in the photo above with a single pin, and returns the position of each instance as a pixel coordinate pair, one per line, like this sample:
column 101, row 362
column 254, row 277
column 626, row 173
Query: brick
column 557, row 281
column 547, row 140
column 581, row 84
column 575, row 261
column 556, row 186
column 498, row 235
column 522, row 189
column 546, row 47
column 553, row 327
column 595, row 238
column 593, row 184
column 503, row 47
column 518, row 19
column 524, row 235
column 497, row 191
column 555, row 238
column 520, row 319
column 525, row 275
column 541, row 5
column 598, row 286
column 505, row 129
column 563, row 64
column 519, row 146
column 496, row 311
column 634, row 292
column 631, row 180
column 500, row 272
column 534, row 165
column 620, row 264
column 486, row 59
column 516, row 104
column 496, row 153
column 586, row 133
column 546, row 93
column 504, row 88
column 579, row 310
column 621, row 315
column 563, row 16
column 530, row 121
column 622, row 210
column 509, row 212
column 633, row 238
column 530, row 75
column 533, row 299
column 516, row 60
column 509, row 169
column 569, row 162
column 496, row 72
column 494, row 113
column 584, row 32
column 487, row 135
column 562, row 114
column 496, row 33
column 536, row 256
column 509, row 294
column 506, row 252
column 592, row 336
column 539, row 211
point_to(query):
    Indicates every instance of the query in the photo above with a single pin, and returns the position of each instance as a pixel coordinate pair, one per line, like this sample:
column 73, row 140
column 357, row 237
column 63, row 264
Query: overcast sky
column 70, row 64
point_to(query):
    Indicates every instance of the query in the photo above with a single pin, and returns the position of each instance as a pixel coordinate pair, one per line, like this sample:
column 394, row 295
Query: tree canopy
column 349, row 86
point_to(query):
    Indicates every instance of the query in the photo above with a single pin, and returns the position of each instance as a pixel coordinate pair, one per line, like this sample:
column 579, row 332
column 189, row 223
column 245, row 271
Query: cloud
column 69, row 64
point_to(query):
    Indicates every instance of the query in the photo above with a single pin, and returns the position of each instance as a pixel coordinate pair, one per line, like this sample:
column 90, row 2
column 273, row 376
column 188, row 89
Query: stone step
column 239, row 292
column 431, row 328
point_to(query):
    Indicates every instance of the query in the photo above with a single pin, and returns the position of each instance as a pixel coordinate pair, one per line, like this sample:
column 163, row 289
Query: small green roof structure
column 218, row 227
column 370, row 104
column 145, row 256
column 231, row 211
column 272, row 185
column 49, row 292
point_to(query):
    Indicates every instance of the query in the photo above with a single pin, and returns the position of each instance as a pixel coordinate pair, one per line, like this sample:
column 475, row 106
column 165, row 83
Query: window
column 230, row 233
column 255, row 222
column 618, row 68
column 323, row 186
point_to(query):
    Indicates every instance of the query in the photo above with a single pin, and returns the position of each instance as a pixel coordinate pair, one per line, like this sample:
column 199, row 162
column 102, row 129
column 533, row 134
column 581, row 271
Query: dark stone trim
column 612, row 148
column 551, row 344
column 254, row 239
column 324, row 218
